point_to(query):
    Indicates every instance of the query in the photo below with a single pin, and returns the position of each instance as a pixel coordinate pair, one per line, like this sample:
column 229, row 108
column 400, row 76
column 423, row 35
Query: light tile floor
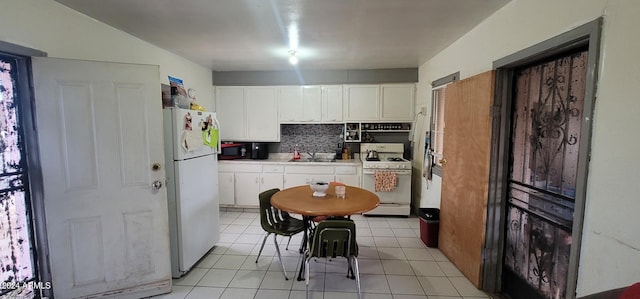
column 393, row 263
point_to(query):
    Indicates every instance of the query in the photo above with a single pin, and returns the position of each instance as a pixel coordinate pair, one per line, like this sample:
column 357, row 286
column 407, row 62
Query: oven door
column 402, row 193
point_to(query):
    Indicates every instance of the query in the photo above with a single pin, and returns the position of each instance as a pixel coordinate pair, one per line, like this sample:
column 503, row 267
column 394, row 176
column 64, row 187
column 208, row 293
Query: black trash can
column 429, row 226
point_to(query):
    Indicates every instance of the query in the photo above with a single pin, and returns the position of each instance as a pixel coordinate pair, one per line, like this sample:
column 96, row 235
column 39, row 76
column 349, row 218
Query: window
column 437, row 123
column 438, row 103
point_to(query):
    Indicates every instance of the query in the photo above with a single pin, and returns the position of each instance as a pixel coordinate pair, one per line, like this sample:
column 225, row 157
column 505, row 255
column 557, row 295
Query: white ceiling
column 246, row 35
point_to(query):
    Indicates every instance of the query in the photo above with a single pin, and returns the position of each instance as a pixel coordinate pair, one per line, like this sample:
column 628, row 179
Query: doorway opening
column 539, row 165
column 20, row 252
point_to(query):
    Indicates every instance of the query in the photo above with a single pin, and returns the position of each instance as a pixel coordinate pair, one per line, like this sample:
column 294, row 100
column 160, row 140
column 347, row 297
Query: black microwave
column 229, row 151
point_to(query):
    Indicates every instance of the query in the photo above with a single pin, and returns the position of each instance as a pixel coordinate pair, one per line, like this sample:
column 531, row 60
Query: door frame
column 587, row 34
column 36, row 192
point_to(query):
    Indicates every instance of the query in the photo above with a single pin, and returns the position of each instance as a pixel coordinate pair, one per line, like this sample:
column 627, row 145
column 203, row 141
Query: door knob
column 156, row 185
column 443, row 161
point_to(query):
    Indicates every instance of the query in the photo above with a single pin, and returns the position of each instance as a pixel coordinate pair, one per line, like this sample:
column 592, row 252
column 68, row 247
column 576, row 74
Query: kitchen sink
column 312, row 160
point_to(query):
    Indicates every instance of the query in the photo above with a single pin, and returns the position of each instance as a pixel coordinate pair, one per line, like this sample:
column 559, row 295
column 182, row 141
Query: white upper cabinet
column 361, row 102
column 248, row 113
column 384, row 102
column 231, row 113
column 290, row 103
column 305, row 104
column 397, row 102
column 332, row 103
column 311, row 103
column 262, row 114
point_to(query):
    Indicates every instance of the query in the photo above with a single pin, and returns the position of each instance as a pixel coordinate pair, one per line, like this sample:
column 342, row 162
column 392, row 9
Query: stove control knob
column 403, row 166
column 386, row 166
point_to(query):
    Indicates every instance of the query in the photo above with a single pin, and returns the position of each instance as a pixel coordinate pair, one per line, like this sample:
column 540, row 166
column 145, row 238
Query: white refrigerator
column 191, row 146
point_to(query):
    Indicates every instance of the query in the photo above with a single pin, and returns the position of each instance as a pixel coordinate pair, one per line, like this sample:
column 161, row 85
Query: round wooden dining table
column 300, row 200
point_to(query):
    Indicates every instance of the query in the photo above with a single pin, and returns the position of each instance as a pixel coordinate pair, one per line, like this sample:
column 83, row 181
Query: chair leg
column 287, row 248
column 306, row 274
column 355, row 267
column 350, row 273
column 279, row 256
column 262, row 247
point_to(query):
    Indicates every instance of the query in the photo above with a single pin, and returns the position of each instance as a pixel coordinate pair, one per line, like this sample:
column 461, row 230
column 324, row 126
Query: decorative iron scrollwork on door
column 547, row 120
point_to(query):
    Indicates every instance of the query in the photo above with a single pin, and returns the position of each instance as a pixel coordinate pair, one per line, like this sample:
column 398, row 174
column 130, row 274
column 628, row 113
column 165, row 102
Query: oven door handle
column 398, row 172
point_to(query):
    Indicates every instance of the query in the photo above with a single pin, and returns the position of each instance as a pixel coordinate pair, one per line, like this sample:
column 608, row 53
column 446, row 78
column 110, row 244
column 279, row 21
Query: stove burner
column 373, row 159
column 395, row 159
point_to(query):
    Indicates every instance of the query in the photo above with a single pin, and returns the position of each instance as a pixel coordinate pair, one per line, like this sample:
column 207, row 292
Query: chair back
column 269, row 215
column 334, row 238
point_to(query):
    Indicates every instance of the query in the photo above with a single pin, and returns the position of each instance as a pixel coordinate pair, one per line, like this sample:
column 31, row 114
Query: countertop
column 283, row 159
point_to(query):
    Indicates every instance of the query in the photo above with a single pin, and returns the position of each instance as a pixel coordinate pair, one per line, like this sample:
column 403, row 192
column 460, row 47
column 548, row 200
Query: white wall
column 48, row 26
column 610, row 256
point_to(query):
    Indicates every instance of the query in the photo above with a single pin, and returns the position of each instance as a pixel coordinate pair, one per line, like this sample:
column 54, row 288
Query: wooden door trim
column 587, row 34
column 28, row 123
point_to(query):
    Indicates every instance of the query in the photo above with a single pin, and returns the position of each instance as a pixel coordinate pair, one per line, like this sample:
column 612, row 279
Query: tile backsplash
column 319, row 138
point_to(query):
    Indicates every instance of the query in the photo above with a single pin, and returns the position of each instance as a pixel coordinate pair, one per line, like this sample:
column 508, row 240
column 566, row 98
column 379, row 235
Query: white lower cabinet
column 240, row 184
column 247, row 187
column 349, row 179
column 271, row 177
column 348, row 175
column 296, row 175
column 292, row 180
column 226, row 188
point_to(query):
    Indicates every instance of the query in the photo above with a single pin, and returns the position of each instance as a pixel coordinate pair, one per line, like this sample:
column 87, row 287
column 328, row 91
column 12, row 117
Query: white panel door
column 99, row 133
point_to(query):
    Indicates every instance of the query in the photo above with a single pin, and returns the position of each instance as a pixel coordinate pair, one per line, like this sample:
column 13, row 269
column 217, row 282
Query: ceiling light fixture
column 293, row 59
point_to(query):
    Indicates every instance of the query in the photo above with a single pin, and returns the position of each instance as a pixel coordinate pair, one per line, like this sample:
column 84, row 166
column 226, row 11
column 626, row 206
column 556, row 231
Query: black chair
column 278, row 223
column 333, row 238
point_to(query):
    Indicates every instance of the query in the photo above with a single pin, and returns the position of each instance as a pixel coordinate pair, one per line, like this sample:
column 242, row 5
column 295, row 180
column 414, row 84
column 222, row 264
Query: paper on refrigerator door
column 191, row 141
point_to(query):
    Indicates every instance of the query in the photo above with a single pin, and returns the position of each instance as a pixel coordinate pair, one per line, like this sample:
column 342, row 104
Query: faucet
column 312, row 156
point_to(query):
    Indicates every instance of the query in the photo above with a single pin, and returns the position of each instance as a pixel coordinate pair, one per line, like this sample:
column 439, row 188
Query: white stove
column 390, row 162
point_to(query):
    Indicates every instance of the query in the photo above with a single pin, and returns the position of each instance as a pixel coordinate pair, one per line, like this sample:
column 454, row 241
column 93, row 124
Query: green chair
column 333, row 238
column 278, row 223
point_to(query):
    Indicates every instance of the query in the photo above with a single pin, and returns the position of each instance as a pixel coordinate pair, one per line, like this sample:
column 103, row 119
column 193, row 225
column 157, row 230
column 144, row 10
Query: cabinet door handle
column 262, row 180
column 256, row 180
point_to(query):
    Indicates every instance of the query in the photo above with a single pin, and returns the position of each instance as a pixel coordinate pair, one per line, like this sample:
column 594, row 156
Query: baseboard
column 610, row 294
column 141, row 291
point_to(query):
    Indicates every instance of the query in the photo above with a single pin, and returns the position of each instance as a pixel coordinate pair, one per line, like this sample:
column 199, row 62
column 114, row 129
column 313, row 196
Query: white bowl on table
column 319, row 188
